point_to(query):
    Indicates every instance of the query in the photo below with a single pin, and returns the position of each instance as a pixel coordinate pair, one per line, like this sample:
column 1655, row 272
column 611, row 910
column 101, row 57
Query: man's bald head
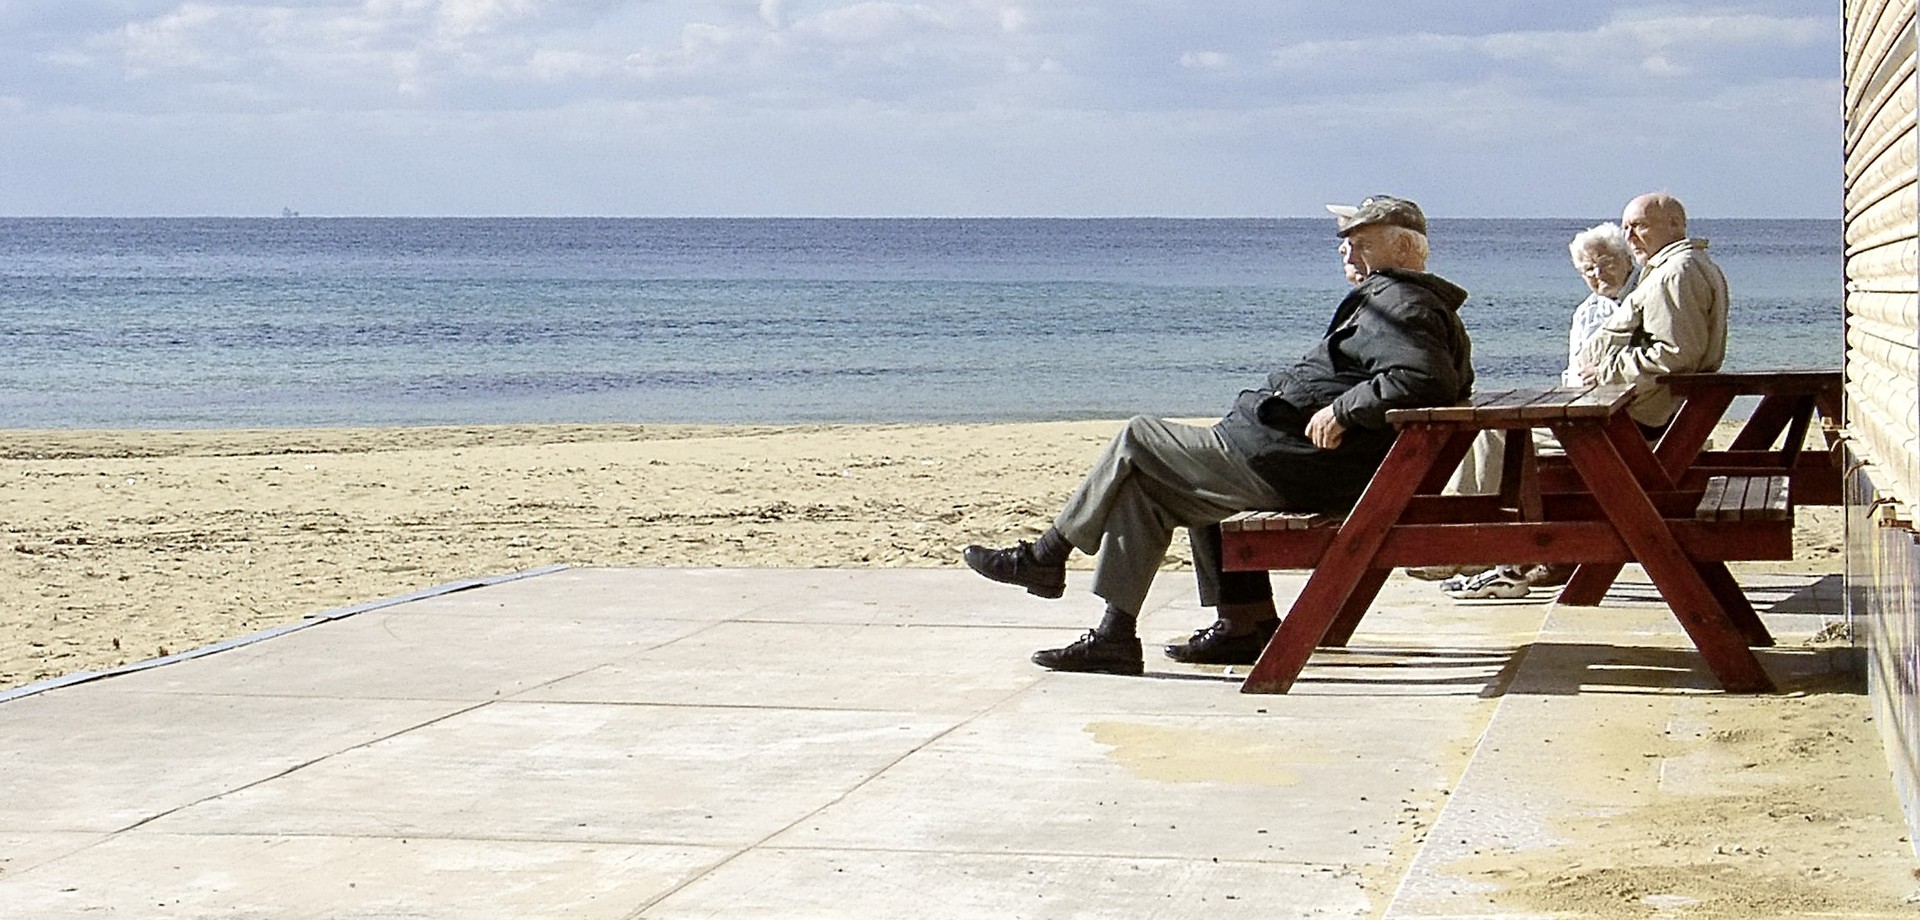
column 1653, row 222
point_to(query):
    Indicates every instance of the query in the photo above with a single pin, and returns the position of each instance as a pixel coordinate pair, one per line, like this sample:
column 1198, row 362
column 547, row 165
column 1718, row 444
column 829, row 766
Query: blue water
column 309, row 321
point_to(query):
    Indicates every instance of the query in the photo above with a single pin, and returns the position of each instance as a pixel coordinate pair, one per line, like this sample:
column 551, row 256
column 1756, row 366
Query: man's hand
column 1324, row 430
column 1589, row 373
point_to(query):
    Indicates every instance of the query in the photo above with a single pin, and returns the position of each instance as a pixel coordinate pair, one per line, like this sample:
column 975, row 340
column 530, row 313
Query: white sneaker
column 1497, row 582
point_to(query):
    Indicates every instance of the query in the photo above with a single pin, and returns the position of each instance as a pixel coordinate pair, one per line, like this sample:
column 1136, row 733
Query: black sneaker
column 1213, row 646
column 1016, row 566
column 1096, row 653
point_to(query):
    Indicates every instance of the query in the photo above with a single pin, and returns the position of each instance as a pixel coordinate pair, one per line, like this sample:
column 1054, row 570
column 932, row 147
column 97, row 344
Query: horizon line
column 290, row 214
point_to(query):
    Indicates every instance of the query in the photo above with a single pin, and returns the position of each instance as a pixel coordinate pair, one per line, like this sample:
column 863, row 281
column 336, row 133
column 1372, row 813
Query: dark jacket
column 1395, row 342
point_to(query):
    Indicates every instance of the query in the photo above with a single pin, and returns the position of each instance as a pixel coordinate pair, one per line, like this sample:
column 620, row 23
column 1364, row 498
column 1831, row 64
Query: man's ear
column 1409, row 249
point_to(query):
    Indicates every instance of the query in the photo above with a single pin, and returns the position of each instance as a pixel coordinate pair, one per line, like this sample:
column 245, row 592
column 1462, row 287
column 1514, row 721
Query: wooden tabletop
column 1521, row 408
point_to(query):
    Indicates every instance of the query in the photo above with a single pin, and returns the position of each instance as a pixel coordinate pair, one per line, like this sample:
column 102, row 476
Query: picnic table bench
column 1612, row 500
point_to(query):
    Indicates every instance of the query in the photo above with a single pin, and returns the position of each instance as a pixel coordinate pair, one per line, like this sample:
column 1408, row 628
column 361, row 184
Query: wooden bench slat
column 1753, row 498
column 1745, row 498
column 1260, row 521
column 1712, row 499
column 1778, row 506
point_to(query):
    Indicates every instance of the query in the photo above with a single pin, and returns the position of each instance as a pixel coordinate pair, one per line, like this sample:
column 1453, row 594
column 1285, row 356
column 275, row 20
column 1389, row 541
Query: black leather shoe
column 1213, row 646
column 1016, row 566
column 1096, row 653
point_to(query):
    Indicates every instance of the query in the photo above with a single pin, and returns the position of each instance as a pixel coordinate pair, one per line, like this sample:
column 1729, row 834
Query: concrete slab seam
column 327, row 616
column 763, row 842
column 1413, row 863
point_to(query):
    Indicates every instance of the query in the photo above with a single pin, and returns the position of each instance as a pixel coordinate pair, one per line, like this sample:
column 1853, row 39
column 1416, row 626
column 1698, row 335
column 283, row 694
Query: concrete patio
column 621, row 743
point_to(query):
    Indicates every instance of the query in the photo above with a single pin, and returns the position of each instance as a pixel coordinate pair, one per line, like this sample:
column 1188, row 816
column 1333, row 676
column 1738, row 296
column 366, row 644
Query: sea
column 308, row 321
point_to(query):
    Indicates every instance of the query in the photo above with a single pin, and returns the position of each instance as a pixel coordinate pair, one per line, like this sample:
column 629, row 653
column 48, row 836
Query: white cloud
column 1147, row 102
column 867, row 23
column 1715, row 47
column 460, row 18
column 1667, row 44
column 1207, row 60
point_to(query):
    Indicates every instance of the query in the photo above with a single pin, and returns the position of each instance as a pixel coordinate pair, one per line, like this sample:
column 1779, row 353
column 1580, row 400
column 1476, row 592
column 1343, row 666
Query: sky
column 1060, row 108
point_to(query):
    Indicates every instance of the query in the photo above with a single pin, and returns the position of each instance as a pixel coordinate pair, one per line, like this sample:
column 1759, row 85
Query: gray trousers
column 1155, row 476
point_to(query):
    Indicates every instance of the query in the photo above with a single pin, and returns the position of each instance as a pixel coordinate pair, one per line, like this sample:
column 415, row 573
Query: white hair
column 1606, row 238
column 1411, row 242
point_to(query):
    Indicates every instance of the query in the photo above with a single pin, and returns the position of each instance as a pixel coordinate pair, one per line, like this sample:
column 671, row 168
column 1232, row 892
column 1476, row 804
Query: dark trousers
column 1218, row 586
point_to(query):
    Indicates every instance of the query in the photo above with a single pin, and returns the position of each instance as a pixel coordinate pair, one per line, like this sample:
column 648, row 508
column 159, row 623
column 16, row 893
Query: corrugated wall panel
column 1885, row 173
column 1891, row 267
column 1885, row 112
column 1889, row 310
column 1873, row 28
column 1882, row 220
column 1882, row 208
column 1880, row 346
column 1883, row 396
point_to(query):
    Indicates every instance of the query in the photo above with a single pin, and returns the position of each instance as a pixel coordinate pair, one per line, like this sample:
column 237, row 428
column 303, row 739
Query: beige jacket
column 1673, row 322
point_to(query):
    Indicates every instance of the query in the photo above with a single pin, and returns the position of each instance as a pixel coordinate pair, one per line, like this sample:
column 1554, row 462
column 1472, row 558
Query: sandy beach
column 126, row 545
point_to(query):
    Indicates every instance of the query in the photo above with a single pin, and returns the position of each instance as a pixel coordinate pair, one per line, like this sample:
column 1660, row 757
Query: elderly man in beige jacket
column 1674, row 321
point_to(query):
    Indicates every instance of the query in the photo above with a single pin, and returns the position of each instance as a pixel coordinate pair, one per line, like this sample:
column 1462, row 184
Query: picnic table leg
column 1774, row 414
column 1445, row 461
column 1520, row 475
column 1828, row 403
column 1687, row 434
column 1721, row 582
column 1797, row 436
column 1589, row 584
column 1345, row 564
column 1348, row 619
column 1721, row 643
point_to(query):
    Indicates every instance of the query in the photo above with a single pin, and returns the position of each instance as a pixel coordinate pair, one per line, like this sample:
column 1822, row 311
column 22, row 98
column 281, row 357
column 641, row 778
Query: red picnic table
column 1621, row 504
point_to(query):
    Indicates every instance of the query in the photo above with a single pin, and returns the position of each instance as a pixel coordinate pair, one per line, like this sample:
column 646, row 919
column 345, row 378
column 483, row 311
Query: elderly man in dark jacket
column 1309, row 441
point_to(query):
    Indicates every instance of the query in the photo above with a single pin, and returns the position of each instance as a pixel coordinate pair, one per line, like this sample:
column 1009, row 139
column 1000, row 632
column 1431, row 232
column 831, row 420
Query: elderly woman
column 1604, row 259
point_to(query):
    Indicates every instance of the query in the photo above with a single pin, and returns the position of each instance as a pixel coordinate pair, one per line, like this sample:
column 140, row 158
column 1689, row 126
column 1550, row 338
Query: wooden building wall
column 1882, row 219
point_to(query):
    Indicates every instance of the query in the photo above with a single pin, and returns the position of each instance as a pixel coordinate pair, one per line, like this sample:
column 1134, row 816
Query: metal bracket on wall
column 1890, row 512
